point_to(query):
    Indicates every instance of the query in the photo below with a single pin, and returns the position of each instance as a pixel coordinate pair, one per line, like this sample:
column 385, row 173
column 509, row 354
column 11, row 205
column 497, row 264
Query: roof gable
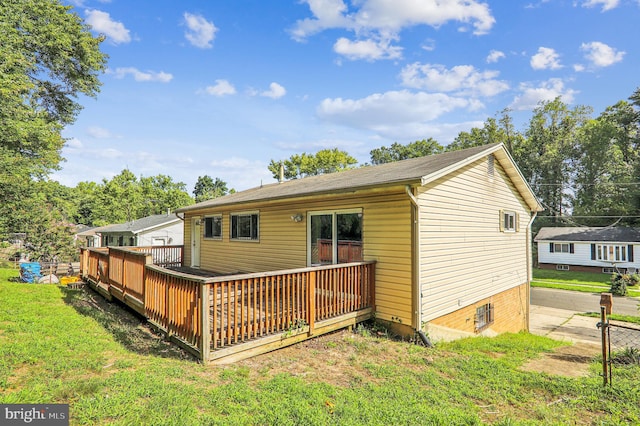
column 416, row 171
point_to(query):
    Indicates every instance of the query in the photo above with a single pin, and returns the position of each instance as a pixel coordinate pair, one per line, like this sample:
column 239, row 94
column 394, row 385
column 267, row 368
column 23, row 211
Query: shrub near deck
column 69, row 346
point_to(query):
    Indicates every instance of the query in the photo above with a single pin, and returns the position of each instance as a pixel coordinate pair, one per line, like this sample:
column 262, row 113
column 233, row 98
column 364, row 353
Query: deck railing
column 94, row 263
column 166, row 256
column 240, row 308
column 127, row 275
column 207, row 314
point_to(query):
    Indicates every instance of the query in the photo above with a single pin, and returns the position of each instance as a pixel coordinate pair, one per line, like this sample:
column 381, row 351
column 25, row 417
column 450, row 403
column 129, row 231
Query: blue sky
column 222, row 87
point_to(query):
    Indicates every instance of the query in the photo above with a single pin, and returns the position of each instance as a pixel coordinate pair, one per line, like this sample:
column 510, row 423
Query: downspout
column 415, row 260
column 529, row 264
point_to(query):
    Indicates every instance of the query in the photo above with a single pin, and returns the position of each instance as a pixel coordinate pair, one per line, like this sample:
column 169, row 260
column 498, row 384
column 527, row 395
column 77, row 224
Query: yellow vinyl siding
column 282, row 242
column 464, row 257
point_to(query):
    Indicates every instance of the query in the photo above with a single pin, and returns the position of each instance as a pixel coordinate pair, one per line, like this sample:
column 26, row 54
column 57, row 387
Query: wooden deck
column 231, row 317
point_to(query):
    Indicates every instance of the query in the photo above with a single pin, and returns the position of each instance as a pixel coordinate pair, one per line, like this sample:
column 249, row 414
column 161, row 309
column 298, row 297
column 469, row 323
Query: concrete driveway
column 554, row 313
column 564, row 325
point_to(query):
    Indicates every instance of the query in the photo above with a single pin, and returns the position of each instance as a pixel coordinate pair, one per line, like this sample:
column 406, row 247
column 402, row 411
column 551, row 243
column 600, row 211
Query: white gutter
column 415, row 261
column 529, row 263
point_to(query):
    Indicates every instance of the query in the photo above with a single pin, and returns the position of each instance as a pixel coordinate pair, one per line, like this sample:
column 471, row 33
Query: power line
column 588, row 184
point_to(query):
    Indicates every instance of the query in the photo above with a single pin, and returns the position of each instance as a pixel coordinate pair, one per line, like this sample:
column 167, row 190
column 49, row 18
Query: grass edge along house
column 449, row 234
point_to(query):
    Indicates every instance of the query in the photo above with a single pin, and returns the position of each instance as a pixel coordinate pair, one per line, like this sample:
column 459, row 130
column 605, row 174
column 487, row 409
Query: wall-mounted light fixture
column 296, row 217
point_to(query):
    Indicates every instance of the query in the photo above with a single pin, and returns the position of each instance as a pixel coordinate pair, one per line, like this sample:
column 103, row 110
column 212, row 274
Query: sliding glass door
column 335, row 237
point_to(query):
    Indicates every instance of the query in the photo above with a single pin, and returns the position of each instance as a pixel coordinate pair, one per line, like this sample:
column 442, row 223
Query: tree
column 493, row 131
column 206, row 188
column 324, row 161
column 397, row 152
column 47, row 58
column 548, row 155
column 125, row 198
column 160, row 194
column 601, row 170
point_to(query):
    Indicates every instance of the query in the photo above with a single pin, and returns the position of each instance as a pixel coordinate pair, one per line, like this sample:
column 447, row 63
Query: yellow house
column 450, row 234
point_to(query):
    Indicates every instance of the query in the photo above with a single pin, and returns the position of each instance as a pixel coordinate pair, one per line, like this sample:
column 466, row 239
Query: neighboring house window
column 132, row 241
column 508, row 221
column 561, row 248
column 611, row 253
column 484, row 316
column 562, row 267
column 120, row 241
column 213, row 227
column 244, row 226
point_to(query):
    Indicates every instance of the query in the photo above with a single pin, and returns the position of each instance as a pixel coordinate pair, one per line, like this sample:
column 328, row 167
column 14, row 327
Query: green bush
column 619, row 284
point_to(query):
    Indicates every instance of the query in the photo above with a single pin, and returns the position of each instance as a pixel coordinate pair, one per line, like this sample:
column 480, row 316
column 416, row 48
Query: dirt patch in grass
column 568, row 361
column 328, row 358
column 340, row 359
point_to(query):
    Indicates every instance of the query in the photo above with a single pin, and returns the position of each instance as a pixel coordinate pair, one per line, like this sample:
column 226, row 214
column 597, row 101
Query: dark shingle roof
column 604, row 234
column 400, row 172
column 140, row 225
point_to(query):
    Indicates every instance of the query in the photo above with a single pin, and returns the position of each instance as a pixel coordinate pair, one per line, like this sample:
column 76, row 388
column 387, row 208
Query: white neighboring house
column 605, row 250
column 157, row 230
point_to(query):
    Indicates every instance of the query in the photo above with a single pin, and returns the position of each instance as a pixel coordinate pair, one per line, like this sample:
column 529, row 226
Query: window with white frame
column 484, row 316
column 611, row 253
column 244, row 226
column 213, row 227
column 508, row 221
column 561, row 248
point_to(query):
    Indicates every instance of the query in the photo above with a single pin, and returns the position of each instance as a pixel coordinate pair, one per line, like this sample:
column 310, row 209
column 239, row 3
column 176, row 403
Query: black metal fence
column 620, row 345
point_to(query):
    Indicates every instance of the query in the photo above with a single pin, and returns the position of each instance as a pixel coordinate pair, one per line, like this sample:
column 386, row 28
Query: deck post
column 167, row 309
column 205, row 330
column 311, row 295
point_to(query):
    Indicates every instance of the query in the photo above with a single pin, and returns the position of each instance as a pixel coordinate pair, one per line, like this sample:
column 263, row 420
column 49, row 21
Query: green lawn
column 69, row 346
column 577, row 281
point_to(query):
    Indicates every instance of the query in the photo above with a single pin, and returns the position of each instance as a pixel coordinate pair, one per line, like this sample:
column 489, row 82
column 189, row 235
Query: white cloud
column 200, row 32
column 429, row 45
column 327, row 14
column 138, row 75
column 108, row 153
column 606, row 4
column 242, row 173
column 99, row 132
column 74, row 143
column 367, row 49
column 601, row 55
column 275, row 91
column 464, row 79
column 221, row 88
column 546, row 58
column 393, row 15
column 101, row 22
column 378, row 22
column 547, row 91
column 495, row 56
column 390, row 109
